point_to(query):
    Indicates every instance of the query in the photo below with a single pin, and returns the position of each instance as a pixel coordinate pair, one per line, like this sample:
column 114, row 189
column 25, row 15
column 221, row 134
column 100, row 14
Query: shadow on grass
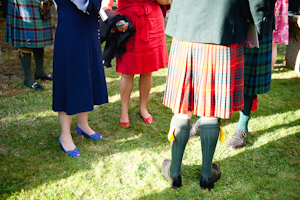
column 31, row 156
column 275, row 101
column 268, row 172
column 253, row 136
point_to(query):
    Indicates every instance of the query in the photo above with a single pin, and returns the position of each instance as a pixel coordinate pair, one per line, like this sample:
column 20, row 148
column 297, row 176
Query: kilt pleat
column 206, row 79
column 25, row 28
column 258, row 67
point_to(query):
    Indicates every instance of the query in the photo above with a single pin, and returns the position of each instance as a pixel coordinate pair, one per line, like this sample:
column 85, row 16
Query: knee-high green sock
column 26, row 65
column 246, row 113
column 39, row 61
column 209, row 134
column 182, row 134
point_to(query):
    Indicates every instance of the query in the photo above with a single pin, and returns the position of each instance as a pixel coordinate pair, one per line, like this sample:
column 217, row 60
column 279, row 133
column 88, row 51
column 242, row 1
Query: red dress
column 146, row 51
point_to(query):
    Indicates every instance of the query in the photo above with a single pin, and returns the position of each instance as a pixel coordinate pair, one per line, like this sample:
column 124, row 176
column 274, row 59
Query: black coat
column 115, row 40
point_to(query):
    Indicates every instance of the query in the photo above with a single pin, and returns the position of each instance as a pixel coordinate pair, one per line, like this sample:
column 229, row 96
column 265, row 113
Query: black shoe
column 175, row 182
column 209, row 183
column 238, row 139
column 46, row 77
column 195, row 130
column 35, row 86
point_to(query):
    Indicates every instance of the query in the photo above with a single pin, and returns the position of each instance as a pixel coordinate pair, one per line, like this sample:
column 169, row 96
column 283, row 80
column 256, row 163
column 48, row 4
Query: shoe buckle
column 33, row 85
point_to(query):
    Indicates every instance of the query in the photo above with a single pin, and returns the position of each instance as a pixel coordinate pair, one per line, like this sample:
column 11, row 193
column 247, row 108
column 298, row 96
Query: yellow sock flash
column 171, row 134
column 223, row 134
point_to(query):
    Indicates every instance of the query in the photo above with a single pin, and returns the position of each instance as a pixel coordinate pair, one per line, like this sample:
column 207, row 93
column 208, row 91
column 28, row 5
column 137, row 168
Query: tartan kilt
column 206, row 79
column 257, row 77
column 24, row 26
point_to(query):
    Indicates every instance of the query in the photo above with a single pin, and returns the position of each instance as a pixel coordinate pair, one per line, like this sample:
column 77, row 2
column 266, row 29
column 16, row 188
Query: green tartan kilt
column 25, row 27
column 257, row 69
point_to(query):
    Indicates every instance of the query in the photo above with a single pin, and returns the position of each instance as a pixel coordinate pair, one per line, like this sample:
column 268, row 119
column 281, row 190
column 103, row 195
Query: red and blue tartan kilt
column 258, row 69
column 25, row 27
column 207, row 79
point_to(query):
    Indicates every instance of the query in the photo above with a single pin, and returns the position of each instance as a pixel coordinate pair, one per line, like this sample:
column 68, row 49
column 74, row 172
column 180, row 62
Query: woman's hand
column 164, row 2
column 121, row 26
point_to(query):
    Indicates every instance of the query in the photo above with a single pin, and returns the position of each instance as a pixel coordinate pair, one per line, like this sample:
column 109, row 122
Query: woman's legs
column 83, row 123
column 125, row 85
column 145, row 85
column 274, row 54
column 65, row 137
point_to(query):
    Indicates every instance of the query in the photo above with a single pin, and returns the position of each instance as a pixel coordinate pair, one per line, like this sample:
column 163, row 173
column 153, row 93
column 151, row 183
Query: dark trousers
column 4, row 7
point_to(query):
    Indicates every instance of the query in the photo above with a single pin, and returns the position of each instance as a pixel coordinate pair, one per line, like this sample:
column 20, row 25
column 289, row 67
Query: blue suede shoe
column 96, row 136
column 74, row 153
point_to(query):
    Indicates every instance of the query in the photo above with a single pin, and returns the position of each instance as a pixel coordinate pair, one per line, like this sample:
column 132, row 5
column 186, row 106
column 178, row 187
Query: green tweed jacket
column 216, row 21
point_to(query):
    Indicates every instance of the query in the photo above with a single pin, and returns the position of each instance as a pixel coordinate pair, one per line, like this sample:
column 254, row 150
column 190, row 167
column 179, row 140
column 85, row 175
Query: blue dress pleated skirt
column 79, row 79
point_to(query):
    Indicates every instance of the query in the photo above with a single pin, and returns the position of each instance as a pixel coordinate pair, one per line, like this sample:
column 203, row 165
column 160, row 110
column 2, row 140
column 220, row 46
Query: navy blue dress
column 79, row 79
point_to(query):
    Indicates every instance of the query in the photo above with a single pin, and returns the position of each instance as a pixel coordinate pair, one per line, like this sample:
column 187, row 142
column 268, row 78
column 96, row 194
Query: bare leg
column 145, row 85
column 83, row 123
column 65, row 137
column 274, row 54
column 126, row 85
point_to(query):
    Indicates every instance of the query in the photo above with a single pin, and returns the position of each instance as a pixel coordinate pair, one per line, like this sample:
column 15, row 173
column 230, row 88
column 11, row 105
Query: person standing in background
column 257, row 79
column 146, row 51
column 79, row 79
column 205, row 74
column 4, row 8
column 30, row 32
column 281, row 32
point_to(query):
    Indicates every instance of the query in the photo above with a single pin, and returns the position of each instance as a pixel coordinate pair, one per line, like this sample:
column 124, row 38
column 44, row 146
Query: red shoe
column 148, row 120
column 125, row 124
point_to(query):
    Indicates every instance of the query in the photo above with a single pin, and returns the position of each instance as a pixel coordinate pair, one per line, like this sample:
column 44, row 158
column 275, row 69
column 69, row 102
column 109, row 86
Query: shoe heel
column 209, row 187
column 96, row 136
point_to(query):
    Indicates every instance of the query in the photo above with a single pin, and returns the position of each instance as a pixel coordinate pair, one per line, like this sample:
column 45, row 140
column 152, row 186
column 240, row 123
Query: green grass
column 126, row 163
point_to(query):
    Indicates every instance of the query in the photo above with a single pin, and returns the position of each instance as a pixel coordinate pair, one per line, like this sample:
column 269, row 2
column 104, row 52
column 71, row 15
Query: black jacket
column 115, row 41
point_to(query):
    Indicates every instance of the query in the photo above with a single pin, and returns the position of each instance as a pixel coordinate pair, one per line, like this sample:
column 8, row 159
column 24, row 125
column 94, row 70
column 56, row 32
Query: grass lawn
column 126, row 163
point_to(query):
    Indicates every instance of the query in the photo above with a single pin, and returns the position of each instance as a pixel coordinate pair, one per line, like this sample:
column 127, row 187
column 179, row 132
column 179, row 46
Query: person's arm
column 121, row 25
column 88, row 6
column 107, row 4
column 164, row 2
column 259, row 10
